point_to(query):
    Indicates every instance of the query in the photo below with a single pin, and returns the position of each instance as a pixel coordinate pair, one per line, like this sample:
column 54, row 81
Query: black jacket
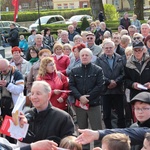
column 87, row 80
column 132, row 74
column 14, row 37
column 99, row 34
column 136, row 125
column 125, row 22
column 116, row 74
column 52, row 123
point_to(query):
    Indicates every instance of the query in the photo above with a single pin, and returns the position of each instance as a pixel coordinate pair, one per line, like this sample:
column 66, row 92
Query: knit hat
column 16, row 48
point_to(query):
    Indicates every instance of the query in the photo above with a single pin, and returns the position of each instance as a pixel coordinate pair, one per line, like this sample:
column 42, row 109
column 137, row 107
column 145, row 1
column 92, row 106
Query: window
column 51, row 20
column 65, row 6
column 85, row 5
column 25, row 5
column 59, row 19
column 59, row 6
column 71, row 5
column 47, row 3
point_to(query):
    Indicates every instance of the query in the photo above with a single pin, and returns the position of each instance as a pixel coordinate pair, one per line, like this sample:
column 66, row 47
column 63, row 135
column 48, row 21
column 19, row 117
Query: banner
column 16, row 5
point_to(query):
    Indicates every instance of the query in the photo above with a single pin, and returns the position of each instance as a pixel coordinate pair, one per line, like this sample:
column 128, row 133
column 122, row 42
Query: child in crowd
column 70, row 143
column 115, row 141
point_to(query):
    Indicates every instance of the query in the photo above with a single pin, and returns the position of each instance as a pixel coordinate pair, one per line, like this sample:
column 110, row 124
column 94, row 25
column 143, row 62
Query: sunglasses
column 90, row 38
column 136, row 38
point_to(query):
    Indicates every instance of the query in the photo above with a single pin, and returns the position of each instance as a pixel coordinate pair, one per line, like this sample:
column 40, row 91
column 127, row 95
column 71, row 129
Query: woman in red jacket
column 57, row 81
column 62, row 61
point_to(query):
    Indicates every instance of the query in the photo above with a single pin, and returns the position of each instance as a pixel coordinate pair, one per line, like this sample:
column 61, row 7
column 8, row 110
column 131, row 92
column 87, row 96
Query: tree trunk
column 131, row 3
column 96, row 7
column 139, row 9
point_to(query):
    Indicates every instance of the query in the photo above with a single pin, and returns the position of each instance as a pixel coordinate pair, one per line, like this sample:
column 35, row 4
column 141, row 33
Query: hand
column 3, row 83
column 135, row 85
column 96, row 148
column 112, row 84
column 22, row 120
column 60, row 99
column 44, row 145
column 57, row 92
column 83, row 99
column 87, row 136
column 147, row 85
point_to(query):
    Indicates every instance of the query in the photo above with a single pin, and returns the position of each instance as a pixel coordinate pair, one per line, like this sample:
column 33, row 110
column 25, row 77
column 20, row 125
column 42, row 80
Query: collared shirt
column 110, row 60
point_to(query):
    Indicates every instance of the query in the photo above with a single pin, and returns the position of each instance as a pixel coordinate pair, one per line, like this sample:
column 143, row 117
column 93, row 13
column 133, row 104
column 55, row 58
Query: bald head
column 4, row 67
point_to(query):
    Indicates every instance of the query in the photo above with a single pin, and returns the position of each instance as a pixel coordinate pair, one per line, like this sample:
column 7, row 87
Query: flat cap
column 90, row 33
column 142, row 97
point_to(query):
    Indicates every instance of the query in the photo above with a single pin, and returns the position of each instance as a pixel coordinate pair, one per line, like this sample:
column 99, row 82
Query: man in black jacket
column 45, row 121
column 86, row 83
column 13, row 38
column 112, row 65
column 125, row 21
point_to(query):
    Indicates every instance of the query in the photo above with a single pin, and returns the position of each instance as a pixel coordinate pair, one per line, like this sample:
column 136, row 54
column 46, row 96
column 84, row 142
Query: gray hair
column 77, row 37
column 106, row 41
column 86, row 50
column 45, row 85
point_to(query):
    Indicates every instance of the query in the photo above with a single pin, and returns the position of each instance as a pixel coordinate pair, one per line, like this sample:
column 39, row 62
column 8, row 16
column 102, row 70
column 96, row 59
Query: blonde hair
column 43, row 65
column 129, row 49
column 56, row 45
column 67, row 45
column 117, row 141
column 84, row 33
column 70, row 143
column 125, row 39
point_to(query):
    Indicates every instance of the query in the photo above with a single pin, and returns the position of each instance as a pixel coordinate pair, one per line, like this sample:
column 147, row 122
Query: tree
column 139, row 9
column 131, row 3
column 96, row 7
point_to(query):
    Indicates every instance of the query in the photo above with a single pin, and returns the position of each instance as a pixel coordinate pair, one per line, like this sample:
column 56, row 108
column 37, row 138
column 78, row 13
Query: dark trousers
column 113, row 101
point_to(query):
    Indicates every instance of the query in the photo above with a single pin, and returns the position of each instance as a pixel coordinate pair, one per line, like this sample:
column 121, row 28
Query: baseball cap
column 137, row 44
column 142, row 97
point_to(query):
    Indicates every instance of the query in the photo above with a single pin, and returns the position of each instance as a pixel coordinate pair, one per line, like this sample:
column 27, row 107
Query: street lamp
column 39, row 14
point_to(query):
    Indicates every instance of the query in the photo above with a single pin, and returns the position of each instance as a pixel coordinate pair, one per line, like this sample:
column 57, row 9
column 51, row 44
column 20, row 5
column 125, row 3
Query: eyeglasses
column 51, row 64
column 138, row 50
column 90, row 38
column 141, row 109
column 136, row 38
column 3, row 71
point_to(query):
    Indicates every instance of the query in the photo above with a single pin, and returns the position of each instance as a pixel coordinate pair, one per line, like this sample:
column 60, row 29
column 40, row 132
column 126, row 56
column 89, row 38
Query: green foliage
column 33, row 15
column 111, row 12
column 84, row 24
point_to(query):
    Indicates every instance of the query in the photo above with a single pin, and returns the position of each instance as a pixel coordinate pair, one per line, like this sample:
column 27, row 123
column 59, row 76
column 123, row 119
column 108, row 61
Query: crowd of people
column 96, row 73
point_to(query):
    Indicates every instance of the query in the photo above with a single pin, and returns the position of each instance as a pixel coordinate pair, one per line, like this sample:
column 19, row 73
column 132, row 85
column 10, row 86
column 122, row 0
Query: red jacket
column 57, row 81
column 62, row 63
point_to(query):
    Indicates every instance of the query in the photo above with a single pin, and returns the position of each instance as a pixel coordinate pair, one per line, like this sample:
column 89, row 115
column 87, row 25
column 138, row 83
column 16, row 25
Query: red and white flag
column 16, row 5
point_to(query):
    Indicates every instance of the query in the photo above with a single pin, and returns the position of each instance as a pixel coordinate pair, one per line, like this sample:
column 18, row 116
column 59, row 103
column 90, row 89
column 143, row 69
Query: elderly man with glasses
column 96, row 50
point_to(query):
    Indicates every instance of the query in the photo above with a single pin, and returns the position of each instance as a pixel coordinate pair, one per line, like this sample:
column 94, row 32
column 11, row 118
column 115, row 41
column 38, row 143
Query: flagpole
column 39, row 14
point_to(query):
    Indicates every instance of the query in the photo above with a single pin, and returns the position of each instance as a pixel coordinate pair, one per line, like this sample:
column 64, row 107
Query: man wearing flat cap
column 137, row 70
column 141, row 107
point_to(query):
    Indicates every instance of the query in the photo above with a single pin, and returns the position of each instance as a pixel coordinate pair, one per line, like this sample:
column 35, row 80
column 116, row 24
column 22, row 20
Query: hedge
column 33, row 15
